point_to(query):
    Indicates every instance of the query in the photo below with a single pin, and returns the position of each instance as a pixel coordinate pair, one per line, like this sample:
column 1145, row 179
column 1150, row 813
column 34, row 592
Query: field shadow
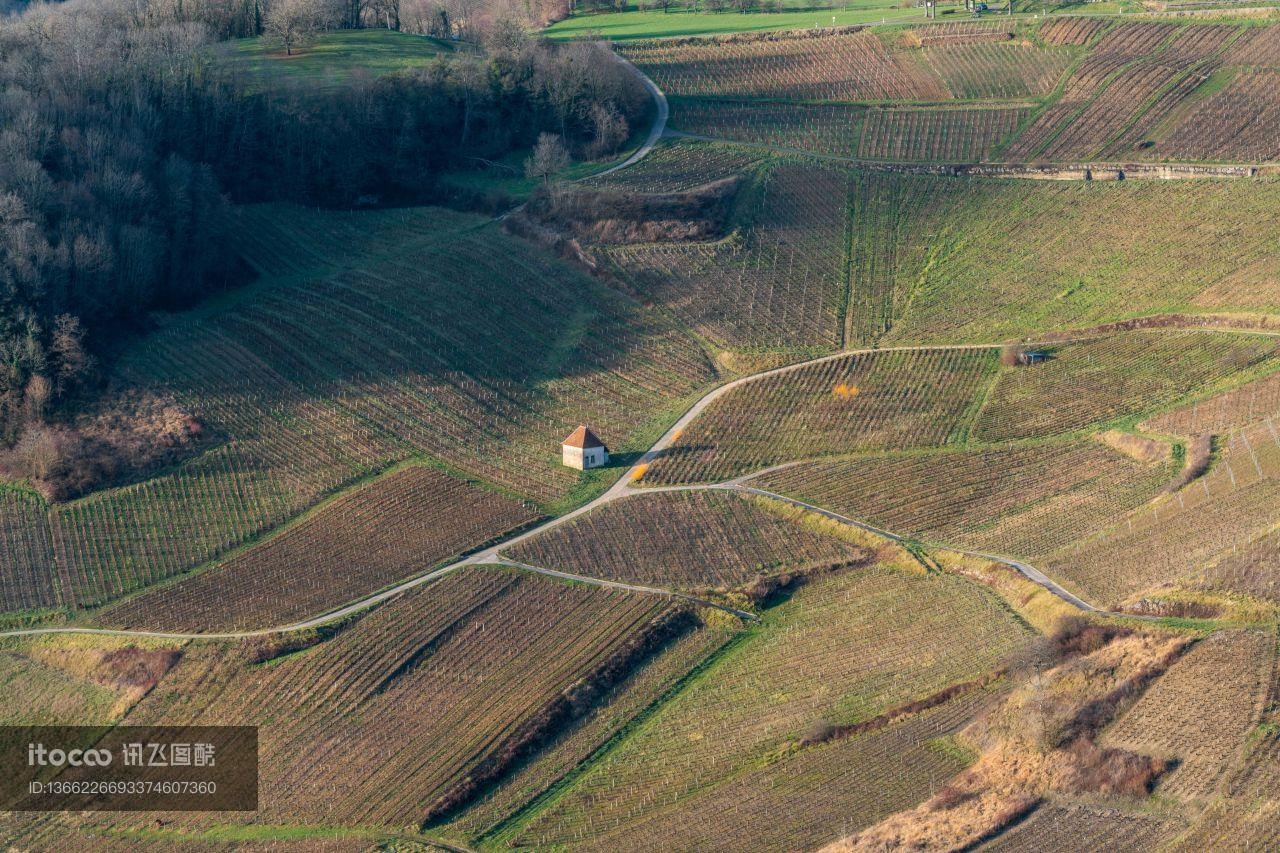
column 681, row 451
column 623, row 460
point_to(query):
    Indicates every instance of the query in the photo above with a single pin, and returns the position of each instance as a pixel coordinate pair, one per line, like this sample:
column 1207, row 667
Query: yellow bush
column 845, row 391
column 637, row 474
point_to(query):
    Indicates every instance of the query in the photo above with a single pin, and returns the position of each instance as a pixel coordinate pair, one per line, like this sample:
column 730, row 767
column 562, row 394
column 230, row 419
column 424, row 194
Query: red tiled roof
column 583, row 437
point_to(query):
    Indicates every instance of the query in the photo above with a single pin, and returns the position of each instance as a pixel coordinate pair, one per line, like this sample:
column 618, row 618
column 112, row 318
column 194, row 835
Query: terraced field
column 1249, row 568
column 1044, row 497
column 1246, row 814
column 1212, row 519
column 979, row 69
column 991, row 260
column 1075, row 31
column 888, row 213
column 845, row 67
column 923, row 64
column 841, row 650
column 682, row 540
column 462, row 676
column 1225, row 412
column 946, row 135
column 816, row 128
column 957, row 260
column 392, row 392
column 1069, row 90
column 401, row 525
column 795, row 801
column 1231, row 124
column 1202, row 711
column 1109, row 57
column 511, row 799
column 43, row 695
column 1081, row 828
column 875, row 401
column 681, row 165
column 1126, row 374
column 329, row 374
column 778, row 283
column 27, row 577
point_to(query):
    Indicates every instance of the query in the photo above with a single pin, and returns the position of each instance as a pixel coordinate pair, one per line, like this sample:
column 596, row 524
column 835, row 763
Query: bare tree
column 40, row 453
column 387, row 12
column 427, row 18
column 37, row 396
column 565, row 75
column 292, row 22
column 69, row 352
column 611, row 129
column 549, row 157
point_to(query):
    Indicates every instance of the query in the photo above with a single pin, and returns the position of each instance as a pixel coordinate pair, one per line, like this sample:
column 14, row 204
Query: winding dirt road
column 623, row 488
column 620, row 489
column 659, row 121
column 628, row 587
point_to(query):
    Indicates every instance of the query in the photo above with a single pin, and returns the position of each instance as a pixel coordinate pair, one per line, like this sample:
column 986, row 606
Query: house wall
column 572, row 457
column 583, row 458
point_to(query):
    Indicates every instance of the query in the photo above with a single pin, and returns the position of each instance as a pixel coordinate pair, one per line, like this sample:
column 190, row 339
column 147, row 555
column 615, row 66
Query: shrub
column 1111, row 770
column 136, row 437
column 1078, row 636
column 1012, row 354
column 132, row 667
column 949, row 797
column 614, row 216
column 1199, row 454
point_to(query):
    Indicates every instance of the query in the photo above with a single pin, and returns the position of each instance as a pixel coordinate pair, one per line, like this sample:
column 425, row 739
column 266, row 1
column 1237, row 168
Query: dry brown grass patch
column 1040, row 740
column 129, row 671
column 1140, row 448
column 616, row 216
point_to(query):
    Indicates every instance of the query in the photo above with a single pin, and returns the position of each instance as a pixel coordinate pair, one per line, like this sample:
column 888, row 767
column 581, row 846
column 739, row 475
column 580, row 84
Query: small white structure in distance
column 583, row 449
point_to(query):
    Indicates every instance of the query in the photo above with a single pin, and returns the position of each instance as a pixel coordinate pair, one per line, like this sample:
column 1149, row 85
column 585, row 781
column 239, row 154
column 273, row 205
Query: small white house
column 583, row 449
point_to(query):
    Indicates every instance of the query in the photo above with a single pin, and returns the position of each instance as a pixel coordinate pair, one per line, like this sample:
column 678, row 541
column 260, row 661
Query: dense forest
column 125, row 146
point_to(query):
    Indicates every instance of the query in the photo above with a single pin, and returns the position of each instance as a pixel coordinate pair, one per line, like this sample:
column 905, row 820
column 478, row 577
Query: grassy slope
column 635, row 24
column 995, row 259
column 39, row 694
column 331, row 59
column 401, row 524
column 946, row 260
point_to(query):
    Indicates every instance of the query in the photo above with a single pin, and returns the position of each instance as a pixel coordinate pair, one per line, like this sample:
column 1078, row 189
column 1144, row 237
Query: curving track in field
column 659, row 120
column 621, row 489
